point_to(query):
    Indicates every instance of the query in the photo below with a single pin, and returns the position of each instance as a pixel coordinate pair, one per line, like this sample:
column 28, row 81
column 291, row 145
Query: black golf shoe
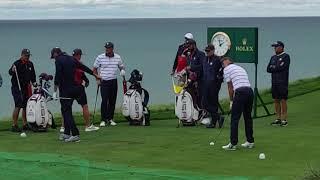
column 284, row 123
column 276, row 122
column 15, row 129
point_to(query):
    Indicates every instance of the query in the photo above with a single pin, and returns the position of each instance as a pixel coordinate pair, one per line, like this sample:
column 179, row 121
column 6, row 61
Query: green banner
column 241, row 44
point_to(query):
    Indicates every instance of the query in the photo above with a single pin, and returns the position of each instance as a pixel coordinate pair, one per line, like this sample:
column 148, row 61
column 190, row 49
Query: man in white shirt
column 241, row 100
column 107, row 64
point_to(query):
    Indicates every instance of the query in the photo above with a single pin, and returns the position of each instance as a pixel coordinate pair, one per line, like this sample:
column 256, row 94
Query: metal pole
column 256, row 75
column 255, row 91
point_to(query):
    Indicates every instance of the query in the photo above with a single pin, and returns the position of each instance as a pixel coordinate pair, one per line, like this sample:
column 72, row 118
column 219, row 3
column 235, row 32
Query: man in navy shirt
column 69, row 90
column 212, row 77
column 279, row 69
column 195, row 57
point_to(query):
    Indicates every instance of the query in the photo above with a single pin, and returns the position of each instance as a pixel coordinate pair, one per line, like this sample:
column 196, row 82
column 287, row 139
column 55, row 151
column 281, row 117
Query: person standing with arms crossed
column 241, row 101
column 279, row 69
column 108, row 63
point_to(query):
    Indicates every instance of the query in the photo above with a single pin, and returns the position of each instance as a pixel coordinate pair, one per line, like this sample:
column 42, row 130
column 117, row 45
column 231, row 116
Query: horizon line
column 132, row 18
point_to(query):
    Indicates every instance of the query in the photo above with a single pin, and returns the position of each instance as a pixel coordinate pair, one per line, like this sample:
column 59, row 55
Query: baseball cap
column 191, row 41
column 25, row 52
column 226, row 58
column 109, row 45
column 188, row 36
column 77, row 52
column 209, row 47
column 277, row 44
column 55, row 50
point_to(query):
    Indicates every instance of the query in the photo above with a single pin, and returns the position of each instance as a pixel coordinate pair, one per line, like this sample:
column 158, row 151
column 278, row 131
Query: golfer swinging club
column 241, row 100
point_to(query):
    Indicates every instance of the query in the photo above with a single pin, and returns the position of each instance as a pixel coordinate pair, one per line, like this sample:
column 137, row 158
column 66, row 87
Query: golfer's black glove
column 86, row 84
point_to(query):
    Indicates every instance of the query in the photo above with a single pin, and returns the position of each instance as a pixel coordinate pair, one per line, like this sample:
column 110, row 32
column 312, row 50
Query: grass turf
column 162, row 151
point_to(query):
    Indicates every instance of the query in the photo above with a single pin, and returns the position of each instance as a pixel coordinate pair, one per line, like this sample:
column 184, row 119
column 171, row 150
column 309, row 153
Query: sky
column 88, row 9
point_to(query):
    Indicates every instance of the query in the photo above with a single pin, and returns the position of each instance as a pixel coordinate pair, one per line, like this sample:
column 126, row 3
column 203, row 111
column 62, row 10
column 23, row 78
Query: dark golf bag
column 135, row 102
column 39, row 118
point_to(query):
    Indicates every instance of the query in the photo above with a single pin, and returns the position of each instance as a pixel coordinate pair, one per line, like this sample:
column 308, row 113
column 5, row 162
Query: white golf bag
column 39, row 118
column 38, row 115
column 185, row 110
column 133, row 109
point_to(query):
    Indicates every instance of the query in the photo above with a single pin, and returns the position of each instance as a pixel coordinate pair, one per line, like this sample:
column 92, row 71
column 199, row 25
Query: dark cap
column 55, row 50
column 25, row 52
column 209, row 47
column 277, row 44
column 77, row 52
column 109, row 45
column 226, row 58
column 191, row 42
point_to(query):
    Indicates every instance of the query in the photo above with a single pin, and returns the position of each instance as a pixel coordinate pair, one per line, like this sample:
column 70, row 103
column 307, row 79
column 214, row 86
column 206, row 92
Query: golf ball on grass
column 262, row 156
column 211, row 143
column 23, row 135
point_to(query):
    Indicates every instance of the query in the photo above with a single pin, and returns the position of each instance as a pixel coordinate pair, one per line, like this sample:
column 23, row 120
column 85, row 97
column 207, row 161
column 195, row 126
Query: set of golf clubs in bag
column 186, row 110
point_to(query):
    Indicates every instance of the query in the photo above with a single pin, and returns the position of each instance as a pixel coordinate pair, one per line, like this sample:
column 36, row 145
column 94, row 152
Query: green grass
column 163, row 151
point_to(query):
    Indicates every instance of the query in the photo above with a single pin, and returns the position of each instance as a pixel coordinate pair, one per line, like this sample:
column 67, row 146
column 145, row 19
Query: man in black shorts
column 82, row 81
column 22, row 75
column 279, row 69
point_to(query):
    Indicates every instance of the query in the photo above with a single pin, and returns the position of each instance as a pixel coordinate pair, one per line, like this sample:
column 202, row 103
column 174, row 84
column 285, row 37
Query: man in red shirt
column 82, row 80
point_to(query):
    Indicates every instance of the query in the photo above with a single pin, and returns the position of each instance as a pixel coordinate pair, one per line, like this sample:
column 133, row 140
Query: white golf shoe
column 112, row 123
column 229, row 147
column 73, row 139
column 102, row 124
column 247, row 145
column 63, row 137
column 91, row 128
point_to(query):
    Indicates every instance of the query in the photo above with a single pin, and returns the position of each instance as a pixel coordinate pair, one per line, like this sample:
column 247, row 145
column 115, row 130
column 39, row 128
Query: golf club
column 179, row 122
column 16, row 71
column 0, row 80
column 63, row 98
column 226, row 119
column 95, row 104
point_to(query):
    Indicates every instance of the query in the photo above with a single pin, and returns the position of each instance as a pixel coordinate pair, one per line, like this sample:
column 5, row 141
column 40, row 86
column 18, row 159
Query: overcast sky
column 83, row 9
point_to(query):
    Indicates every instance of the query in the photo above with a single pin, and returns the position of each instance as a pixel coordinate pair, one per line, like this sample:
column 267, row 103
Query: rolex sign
column 244, row 42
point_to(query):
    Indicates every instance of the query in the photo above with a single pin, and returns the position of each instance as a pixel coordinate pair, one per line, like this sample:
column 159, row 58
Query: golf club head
column 178, row 125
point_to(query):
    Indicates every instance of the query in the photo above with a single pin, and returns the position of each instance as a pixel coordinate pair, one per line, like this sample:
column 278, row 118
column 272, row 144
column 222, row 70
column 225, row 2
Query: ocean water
column 150, row 46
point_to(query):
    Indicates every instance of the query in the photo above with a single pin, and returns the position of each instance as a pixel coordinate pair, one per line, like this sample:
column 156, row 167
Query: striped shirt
column 237, row 75
column 108, row 66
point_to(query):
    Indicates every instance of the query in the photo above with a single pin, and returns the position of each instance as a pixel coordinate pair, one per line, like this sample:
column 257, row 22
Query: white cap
column 188, row 36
